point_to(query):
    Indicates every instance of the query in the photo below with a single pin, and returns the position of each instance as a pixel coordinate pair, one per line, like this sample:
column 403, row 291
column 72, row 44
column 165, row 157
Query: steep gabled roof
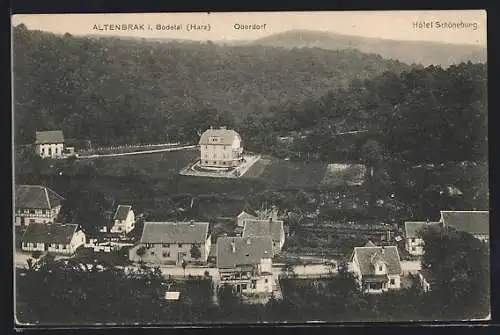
column 50, row 233
column 122, row 212
column 366, row 256
column 225, row 136
column 247, row 251
column 175, row 232
column 48, row 137
column 473, row 222
column 414, row 228
column 36, row 197
column 263, row 228
column 245, row 216
column 369, row 244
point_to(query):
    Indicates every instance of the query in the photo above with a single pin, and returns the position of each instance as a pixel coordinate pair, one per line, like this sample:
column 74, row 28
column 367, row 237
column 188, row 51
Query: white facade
column 414, row 246
column 221, row 148
column 77, row 241
column 50, row 150
column 255, row 280
column 124, row 226
column 25, row 216
column 170, row 253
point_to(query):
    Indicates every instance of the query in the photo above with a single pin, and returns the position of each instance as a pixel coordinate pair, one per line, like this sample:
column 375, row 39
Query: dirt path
column 139, row 152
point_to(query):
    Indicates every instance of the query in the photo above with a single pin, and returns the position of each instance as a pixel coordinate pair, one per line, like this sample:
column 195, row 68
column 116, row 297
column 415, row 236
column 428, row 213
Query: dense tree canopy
column 113, row 90
column 125, row 91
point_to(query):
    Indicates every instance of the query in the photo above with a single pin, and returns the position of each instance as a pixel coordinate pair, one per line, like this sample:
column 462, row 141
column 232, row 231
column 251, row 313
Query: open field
column 344, row 174
column 290, row 174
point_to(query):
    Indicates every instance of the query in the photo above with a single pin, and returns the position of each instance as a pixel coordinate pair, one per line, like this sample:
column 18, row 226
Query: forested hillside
column 125, row 91
column 419, row 52
column 424, row 115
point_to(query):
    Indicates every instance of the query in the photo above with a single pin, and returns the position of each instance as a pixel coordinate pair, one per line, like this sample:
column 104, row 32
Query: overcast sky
column 388, row 24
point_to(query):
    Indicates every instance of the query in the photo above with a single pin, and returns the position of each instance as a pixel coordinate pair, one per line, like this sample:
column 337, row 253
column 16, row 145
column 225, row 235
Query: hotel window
column 254, row 284
column 152, row 253
column 380, row 267
column 166, row 254
column 413, row 240
column 43, row 151
column 180, row 245
column 243, row 286
column 50, row 151
column 64, row 246
column 393, row 281
column 166, row 245
column 265, row 281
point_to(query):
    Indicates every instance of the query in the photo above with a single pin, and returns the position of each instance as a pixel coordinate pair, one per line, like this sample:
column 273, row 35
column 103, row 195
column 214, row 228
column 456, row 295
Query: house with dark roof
column 220, row 148
column 377, row 268
column 49, row 144
column 35, row 204
column 53, row 238
column 173, row 243
column 245, row 264
column 476, row 223
column 269, row 227
column 123, row 220
column 414, row 243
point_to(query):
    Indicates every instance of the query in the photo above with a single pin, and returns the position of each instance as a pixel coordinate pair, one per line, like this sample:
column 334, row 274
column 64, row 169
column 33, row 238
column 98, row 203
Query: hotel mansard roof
column 219, row 136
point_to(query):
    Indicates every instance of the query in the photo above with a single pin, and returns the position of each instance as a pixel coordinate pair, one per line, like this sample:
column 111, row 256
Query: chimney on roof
column 248, row 241
column 233, row 247
column 211, row 127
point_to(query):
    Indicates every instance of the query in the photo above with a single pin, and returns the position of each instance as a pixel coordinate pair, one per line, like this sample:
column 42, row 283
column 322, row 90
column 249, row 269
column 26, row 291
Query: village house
column 414, row 243
column 261, row 214
column 36, row 204
column 123, row 220
column 377, row 268
column 173, row 243
column 54, row 238
column 269, row 227
column 49, row 144
column 240, row 219
column 220, row 148
column 245, row 264
column 476, row 223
